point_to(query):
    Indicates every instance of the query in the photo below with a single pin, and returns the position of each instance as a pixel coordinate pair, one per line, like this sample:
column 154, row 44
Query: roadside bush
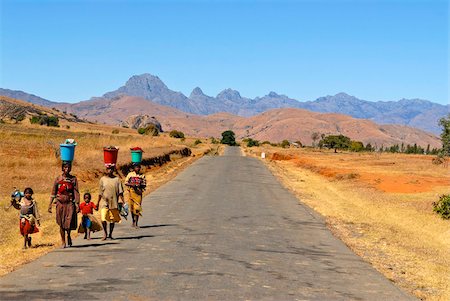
column 197, row 142
column 115, row 131
column 265, row 142
column 176, row 134
column 251, row 142
column 214, row 140
column 285, row 144
column 151, row 130
column 45, row 120
column 442, row 207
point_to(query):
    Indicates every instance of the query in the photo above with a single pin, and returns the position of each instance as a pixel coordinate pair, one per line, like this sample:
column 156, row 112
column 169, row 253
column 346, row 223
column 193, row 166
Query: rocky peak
column 145, row 81
column 273, row 94
column 229, row 94
column 197, row 92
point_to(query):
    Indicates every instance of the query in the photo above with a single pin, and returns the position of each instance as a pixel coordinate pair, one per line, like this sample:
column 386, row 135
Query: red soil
column 390, row 183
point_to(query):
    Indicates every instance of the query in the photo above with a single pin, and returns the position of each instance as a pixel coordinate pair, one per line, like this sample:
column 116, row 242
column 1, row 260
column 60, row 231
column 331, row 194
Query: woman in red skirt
column 29, row 216
column 65, row 191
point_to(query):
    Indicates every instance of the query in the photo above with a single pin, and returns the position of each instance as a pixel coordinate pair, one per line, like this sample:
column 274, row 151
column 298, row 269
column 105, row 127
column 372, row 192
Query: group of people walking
column 65, row 195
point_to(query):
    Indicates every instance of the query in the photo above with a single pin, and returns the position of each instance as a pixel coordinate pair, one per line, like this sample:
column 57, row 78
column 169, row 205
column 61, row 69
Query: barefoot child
column 136, row 184
column 29, row 216
column 88, row 221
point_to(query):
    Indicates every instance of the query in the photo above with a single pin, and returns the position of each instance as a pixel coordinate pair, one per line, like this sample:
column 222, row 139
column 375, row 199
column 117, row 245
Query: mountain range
column 416, row 113
column 273, row 125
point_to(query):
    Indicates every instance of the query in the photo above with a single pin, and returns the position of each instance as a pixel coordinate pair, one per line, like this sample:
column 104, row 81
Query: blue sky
column 375, row 50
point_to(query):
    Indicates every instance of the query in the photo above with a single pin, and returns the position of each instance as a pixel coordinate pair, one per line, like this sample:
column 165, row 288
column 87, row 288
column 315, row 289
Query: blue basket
column 67, row 152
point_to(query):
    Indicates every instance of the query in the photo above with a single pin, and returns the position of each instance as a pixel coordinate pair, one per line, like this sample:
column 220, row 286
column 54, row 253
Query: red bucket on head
column 110, row 155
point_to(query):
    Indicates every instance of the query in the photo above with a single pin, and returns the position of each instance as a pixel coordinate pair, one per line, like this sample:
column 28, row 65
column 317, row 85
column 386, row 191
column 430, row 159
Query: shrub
column 176, row 134
column 439, row 159
column 45, row 120
column 356, row 146
column 265, row 142
column 150, row 129
column 20, row 117
column 251, row 142
column 285, row 144
column 214, row 140
column 115, row 131
column 53, row 121
column 198, row 141
column 442, row 207
column 68, row 127
column 35, row 119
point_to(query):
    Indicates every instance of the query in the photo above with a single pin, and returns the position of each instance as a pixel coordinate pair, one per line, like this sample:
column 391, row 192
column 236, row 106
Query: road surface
column 224, row 229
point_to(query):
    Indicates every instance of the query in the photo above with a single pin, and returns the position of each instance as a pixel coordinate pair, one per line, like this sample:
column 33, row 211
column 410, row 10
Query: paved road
column 224, row 229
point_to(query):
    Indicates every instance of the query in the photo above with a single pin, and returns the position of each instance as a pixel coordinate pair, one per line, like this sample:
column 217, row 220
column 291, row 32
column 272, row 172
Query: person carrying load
column 65, row 191
column 136, row 184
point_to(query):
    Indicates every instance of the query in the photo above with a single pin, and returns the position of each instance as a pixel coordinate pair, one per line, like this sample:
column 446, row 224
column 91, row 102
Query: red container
column 110, row 155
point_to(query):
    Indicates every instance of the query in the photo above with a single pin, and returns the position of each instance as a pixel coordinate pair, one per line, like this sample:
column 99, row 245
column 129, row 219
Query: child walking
column 29, row 216
column 136, row 184
column 110, row 197
column 88, row 221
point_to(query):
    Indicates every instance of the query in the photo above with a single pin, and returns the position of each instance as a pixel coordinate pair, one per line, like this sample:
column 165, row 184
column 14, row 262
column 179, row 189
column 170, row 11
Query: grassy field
column 380, row 205
column 27, row 158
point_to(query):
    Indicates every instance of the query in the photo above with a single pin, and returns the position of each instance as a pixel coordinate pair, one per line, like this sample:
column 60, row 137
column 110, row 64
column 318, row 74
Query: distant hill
column 16, row 110
column 117, row 110
column 27, row 97
column 273, row 125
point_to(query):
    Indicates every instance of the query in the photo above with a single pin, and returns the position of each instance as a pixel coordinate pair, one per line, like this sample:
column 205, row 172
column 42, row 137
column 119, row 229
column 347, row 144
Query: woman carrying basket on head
column 65, row 191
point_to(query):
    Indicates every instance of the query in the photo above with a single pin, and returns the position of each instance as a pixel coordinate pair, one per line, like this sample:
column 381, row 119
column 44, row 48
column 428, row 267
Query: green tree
column 356, row 146
column 444, row 122
column 369, row 147
column 228, row 137
column 336, row 142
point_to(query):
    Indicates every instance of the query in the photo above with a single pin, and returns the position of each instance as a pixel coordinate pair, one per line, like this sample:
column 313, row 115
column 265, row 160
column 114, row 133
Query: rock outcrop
column 141, row 121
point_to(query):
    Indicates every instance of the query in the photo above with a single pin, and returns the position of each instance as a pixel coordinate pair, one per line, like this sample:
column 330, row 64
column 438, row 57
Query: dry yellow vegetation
column 380, row 205
column 27, row 158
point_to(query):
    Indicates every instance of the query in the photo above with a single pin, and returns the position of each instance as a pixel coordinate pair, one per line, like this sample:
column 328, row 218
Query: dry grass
column 380, row 205
column 27, row 158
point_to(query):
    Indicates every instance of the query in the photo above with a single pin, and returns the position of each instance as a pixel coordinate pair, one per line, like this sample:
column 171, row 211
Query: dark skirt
column 66, row 215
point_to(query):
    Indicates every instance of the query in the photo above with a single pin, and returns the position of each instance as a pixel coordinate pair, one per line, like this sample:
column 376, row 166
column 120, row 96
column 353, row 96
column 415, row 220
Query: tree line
column 341, row 142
